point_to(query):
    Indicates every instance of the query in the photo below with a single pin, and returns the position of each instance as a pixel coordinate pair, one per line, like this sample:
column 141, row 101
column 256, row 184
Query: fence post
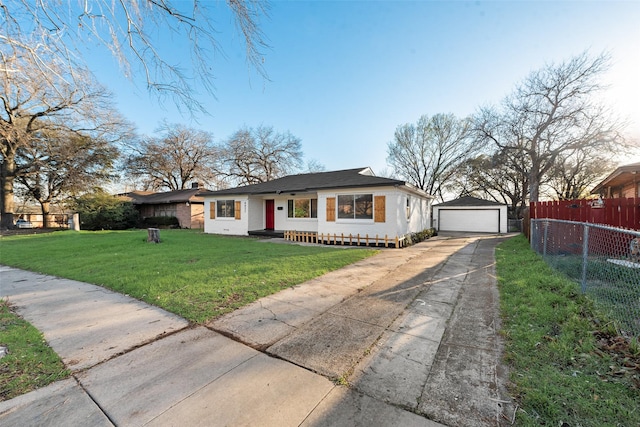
column 545, row 225
column 585, row 253
column 533, row 227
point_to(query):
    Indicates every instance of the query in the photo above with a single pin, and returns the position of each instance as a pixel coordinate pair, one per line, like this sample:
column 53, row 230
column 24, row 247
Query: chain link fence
column 604, row 260
column 514, row 225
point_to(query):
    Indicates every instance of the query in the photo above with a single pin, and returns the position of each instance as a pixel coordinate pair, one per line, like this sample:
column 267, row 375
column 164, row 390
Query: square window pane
column 345, row 206
column 364, row 206
column 302, row 208
column 225, row 209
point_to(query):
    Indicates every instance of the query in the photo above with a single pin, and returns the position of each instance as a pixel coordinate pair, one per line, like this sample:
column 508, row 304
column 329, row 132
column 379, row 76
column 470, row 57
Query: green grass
column 559, row 370
column 195, row 275
column 30, row 363
column 614, row 288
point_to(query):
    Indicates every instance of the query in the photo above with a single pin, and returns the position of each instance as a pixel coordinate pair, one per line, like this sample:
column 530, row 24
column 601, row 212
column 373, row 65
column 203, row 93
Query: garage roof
column 469, row 201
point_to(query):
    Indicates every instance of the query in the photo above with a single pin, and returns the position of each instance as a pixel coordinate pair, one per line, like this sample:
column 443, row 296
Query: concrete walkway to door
column 412, row 332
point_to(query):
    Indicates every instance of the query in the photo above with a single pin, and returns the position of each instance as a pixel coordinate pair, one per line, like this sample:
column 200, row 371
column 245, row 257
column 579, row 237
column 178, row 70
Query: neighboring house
column 186, row 205
column 340, row 203
column 624, row 182
column 470, row 214
column 34, row 216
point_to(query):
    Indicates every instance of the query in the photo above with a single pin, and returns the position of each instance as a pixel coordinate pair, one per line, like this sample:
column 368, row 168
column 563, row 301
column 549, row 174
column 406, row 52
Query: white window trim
column 218, row 216
column 354, row 221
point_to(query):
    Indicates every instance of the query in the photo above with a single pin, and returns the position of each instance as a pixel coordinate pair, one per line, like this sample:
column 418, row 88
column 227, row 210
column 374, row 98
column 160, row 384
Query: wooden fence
column 345, row 239
column 622, row 213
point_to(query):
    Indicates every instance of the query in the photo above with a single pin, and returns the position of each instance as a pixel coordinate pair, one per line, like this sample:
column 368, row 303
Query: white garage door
column 474, row 220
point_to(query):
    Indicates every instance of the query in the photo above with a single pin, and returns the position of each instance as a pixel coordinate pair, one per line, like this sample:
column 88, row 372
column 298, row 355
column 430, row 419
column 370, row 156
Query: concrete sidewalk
column 412, row 331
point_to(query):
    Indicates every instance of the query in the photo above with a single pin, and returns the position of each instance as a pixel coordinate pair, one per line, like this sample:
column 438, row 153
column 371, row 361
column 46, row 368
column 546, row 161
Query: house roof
column 307, row 182
column 192, row 195
column 619, row 177
column 469, row 201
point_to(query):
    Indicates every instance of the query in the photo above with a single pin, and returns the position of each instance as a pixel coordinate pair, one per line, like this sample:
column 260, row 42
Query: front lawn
column 195, row 275
column 568, row 367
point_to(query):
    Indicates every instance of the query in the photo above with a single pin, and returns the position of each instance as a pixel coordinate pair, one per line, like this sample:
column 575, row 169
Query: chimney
column 194, row 185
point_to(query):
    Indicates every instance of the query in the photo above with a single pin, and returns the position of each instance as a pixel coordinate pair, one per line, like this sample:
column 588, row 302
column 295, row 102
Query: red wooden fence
column 623, row 213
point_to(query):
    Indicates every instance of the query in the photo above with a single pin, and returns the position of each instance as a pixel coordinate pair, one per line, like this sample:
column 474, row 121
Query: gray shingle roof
column 306, row 182
column 193, row 195
column 469, row 201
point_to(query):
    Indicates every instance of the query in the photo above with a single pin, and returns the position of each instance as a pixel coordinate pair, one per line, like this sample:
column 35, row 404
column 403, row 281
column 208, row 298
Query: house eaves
column 169, row 197
column 621, row 176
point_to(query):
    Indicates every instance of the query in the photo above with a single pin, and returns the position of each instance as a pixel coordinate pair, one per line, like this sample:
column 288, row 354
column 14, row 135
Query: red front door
column 270, row 208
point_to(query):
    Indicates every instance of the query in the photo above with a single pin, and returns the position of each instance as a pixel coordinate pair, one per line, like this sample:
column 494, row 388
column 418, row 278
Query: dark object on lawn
column 153, row 235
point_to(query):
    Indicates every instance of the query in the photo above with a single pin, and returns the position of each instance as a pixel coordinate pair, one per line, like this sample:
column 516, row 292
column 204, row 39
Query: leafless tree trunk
column 7, row 175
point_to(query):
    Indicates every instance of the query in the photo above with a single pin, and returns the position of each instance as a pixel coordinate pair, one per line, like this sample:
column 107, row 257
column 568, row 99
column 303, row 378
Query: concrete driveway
column 407, row 337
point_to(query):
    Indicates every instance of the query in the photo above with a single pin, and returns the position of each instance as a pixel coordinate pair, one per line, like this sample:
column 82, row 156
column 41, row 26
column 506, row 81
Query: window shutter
column 331, row 209
column 379, row 214
column 237, row 210
column 212, row 210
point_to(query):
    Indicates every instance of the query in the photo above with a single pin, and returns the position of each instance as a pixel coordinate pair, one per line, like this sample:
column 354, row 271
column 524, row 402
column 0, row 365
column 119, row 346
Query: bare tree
column 426, row 154
column 173, row 160
column 34, row 105
column 127, row 29
column 56, row 166
column 497, row 177
column 257, row 155
column 314, row 166
column 552, row 113
column 572, row 176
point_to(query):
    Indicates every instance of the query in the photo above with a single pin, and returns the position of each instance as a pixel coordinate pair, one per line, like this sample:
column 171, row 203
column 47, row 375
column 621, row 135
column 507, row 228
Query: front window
column 302, row 208
column 165, row 210
column 226, row 209
column 355, row 206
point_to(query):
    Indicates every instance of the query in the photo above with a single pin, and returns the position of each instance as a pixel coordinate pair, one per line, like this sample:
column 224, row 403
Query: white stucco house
column 343, row 203
column 470, row 214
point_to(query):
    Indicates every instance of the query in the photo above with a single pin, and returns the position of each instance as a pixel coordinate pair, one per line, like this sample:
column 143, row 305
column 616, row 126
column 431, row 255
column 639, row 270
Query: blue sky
column 343, row 75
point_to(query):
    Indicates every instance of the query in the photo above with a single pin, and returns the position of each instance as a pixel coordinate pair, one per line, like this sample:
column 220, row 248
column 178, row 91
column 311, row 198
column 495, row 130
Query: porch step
column 267, row 233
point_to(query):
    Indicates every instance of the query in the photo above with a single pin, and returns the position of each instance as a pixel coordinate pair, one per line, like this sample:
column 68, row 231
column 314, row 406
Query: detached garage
column 470, row 214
